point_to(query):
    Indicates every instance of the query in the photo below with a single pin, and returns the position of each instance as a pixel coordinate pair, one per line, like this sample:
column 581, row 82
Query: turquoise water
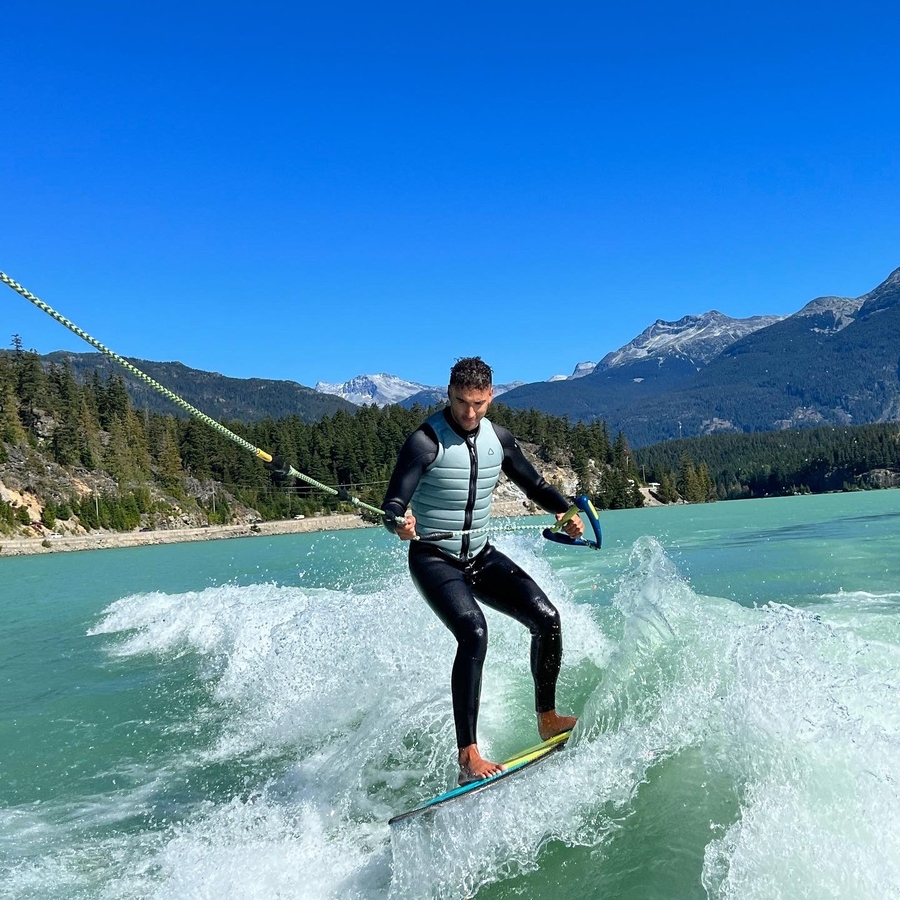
column 239, row 719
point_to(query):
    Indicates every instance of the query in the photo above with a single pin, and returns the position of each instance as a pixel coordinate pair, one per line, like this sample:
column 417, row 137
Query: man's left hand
column 574, row 528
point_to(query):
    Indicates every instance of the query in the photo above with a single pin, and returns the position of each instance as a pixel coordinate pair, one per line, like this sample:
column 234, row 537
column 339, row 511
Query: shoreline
column 33, row 546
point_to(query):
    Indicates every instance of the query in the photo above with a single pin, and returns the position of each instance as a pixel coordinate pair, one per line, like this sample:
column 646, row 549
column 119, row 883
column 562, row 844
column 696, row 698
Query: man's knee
column 547, row 621
column 472, row 635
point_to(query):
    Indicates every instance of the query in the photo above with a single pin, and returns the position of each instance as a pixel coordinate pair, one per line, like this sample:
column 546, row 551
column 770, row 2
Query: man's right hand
column 406, row 527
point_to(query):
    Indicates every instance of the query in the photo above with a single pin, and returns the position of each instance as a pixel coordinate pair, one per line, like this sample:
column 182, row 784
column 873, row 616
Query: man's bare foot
column 550, row 724
column 473, row 767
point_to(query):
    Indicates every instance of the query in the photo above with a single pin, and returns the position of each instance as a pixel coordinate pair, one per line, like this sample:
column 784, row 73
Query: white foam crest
column 670, row 664
column 578, row 797
column 27, row 830
column 811, row 728
column 805, row 841
column 583, row 640
column 262, row 849
column 203, row 621
column 51, row 856
column 799, row 715
column 37, row 879
column 876, row 601
column 873, row 615
column 293, row 664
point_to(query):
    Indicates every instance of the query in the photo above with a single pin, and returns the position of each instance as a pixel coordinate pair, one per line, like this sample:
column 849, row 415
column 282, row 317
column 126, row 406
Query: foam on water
column 260, row 849
column 873, row 615
column 811, row 731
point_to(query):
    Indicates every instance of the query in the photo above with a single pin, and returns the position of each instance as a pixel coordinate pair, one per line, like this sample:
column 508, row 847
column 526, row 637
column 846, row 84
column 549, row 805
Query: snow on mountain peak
column 382, row 389
column 697, row 338
column 582, row 369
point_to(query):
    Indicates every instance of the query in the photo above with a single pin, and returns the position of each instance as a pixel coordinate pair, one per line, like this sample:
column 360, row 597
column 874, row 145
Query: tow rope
column 278, row 465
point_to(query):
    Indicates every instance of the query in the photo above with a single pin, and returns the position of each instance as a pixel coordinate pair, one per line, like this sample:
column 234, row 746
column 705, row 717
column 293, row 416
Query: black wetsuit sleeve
column 416, row 455
column 524, row 474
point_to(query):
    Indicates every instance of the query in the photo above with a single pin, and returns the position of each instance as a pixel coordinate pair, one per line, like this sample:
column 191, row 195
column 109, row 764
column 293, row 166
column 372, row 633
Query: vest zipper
column 473, row 492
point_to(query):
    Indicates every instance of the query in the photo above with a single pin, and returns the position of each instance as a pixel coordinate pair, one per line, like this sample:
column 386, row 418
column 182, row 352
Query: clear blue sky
column 295, row 191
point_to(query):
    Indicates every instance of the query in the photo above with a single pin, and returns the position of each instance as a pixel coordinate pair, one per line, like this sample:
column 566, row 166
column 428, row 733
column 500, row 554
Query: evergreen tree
column 90, row 445
column 688, row 483
column 668, row 492
column 65, row 401
column 706, row 489
column 194, row 446
column 622, row 458
column 31, row 386
column 11, row 430
column 614, row 491
column 582, row 468
column 165, row 450
column 113, row 401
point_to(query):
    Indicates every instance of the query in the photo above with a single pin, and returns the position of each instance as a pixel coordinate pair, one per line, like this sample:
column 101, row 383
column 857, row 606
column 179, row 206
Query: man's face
column 469, row 405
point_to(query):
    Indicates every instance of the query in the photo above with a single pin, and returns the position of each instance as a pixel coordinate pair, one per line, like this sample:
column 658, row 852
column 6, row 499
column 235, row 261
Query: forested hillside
column 734, row 466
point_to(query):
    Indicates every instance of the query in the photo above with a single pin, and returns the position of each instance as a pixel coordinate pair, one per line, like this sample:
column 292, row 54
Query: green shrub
column 49, row 515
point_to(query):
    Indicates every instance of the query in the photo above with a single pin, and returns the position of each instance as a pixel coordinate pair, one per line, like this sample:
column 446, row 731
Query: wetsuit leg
column 498, row 582
column 444, row 585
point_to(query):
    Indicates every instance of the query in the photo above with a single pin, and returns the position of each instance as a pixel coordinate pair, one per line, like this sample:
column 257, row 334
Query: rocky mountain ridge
column 698, row 339
column 380, row 389
column 694, row 339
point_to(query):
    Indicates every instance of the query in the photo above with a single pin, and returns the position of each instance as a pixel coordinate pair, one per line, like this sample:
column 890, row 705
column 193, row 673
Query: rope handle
column 582, row 503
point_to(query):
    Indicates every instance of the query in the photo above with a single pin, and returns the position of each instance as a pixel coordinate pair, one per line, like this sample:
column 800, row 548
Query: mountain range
column 835, row 361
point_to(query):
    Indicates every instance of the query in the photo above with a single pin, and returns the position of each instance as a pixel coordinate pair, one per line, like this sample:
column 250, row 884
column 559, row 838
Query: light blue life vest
column 455, row 492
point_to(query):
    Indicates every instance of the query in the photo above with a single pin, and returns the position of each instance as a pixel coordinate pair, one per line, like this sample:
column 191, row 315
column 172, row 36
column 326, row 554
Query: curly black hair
column 471, row 373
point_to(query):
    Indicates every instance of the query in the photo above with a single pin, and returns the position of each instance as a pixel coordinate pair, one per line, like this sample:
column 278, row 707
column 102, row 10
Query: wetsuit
column 451, row 576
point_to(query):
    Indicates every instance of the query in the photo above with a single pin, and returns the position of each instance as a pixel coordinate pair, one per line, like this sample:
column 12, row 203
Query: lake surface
column 239, row 719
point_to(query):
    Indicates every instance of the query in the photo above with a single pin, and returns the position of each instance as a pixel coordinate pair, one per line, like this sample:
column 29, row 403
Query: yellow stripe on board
column 534, row 752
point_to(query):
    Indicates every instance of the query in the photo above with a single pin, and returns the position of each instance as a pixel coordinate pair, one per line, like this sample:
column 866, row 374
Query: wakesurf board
column 511, row 766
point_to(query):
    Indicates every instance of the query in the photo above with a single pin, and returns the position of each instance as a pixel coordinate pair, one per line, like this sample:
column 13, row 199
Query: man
column 448, row 469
